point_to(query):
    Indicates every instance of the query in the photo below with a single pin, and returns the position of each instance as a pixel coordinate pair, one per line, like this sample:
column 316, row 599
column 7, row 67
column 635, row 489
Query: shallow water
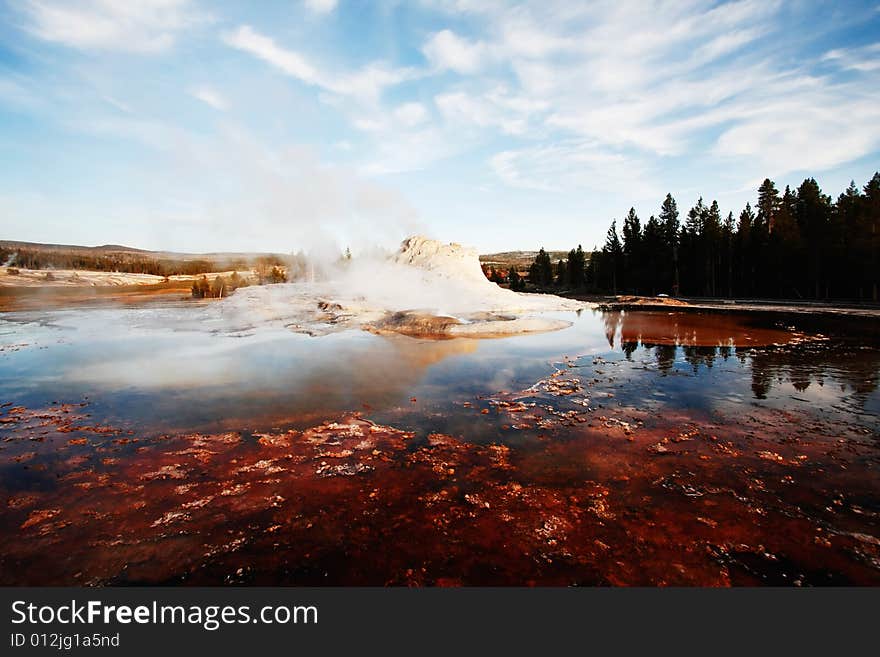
column 636, row 448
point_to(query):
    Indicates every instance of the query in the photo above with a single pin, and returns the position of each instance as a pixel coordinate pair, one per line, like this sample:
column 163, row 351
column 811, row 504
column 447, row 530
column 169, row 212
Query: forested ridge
column 132, row 262
column 797, row 244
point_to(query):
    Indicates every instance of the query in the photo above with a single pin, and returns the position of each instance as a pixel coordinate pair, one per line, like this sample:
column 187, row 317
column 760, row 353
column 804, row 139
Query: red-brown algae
column 612, row 496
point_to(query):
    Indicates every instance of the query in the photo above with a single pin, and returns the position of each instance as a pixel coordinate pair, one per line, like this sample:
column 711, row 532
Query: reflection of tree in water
column 697, row 356
column 856, row 368
column 760, row 382
column 800, row 378
column 850, row 367
column 665, row 354
column 612, row 320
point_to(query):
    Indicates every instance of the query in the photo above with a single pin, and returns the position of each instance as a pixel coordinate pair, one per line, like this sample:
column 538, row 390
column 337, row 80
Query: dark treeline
column 795, row 244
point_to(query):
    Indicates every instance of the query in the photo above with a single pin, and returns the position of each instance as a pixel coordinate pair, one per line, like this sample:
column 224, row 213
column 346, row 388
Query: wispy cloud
column 321, row 6
column 210, row 97
column 865, row 59
column 495, row 108
column 365, row 84
column 568, row 166
column 248, row 40
column 658, row 82
column 145, row 26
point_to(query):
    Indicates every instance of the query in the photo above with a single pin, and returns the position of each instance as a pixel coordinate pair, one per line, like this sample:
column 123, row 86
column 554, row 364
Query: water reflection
column 173, row 380
column 848, row 366
column 775, row 351
column 148, row 375
column 689, row 329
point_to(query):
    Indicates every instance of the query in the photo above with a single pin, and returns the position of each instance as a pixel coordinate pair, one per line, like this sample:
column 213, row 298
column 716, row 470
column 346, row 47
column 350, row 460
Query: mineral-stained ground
column 568, row 481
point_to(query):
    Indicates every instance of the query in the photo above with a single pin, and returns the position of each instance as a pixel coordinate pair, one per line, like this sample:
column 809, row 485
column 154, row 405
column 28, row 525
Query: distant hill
column 520, row 259
column 109, row 249
column 69, row 248
column 118, row 258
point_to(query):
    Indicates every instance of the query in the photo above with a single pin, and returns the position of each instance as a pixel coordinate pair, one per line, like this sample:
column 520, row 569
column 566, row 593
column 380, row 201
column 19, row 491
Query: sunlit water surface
column 136, row 372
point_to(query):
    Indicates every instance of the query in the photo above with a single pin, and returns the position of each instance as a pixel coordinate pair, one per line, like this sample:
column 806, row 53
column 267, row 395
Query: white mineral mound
column 450, row 260
column 425, row 278
column 435, row 277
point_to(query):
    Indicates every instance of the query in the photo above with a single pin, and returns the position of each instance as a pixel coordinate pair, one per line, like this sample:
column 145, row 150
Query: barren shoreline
column 42, row 278
column 32, row 289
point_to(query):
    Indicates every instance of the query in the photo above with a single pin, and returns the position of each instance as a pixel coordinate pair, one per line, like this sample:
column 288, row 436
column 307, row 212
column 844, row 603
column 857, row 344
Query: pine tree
column 691, row 250
column 515, row 280
column 671, row 228
column 847, row 226
column 561, row 273
column 768, row 204
column 632, row 251
column 812, row 211
column 869, row 238
column 541, row 270
column 613, row 254
column 711, row 245
column 576, row 267
column 728, row 231
column 652, row 248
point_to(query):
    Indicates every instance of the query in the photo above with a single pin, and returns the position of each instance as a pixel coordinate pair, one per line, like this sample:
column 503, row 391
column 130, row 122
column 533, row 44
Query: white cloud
column 726, row 43
column 411, row 115
column 494, row 109
column 524, row 39
column 370, row 125
column 366, row 84
column 865, row 59
column 412, row 150
column 145, row 26
column 446, row 50
column 404, row 139
column 571, row 165
column 805, row 130
column 245, row 38
column 653, row 81
column 210, row 97
column 118, row 104
column 321, row 6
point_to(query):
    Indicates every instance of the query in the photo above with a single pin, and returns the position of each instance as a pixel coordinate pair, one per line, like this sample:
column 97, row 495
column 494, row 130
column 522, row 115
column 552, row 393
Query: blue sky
column 187, row 125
